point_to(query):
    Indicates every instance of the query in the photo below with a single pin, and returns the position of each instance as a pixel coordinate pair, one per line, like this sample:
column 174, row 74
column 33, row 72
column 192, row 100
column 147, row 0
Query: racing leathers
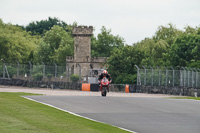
column 101, row 76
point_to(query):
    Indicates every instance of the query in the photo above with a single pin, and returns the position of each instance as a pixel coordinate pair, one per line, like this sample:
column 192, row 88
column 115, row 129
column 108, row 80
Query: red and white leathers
column 101, row 76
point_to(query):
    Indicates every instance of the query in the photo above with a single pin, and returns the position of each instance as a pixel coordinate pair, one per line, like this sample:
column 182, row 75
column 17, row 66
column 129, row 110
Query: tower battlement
column 83, row 31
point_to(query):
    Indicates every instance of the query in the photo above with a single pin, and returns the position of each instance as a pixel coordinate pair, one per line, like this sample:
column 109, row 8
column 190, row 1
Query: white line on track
column 76, row 114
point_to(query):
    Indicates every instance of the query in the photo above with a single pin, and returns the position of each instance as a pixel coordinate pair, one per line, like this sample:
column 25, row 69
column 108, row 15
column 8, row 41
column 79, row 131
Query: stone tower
column 82, row 48
column 81, row 63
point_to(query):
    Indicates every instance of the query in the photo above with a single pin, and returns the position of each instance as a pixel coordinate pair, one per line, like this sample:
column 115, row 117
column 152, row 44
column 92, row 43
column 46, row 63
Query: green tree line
column 51, row 40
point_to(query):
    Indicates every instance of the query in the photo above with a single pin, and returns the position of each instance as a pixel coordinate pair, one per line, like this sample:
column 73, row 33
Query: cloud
column 132, row 19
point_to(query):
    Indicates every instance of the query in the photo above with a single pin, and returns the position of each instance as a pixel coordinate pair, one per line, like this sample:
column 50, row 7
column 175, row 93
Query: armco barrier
column 94, row 87
column 132, row 88
column 90, row 87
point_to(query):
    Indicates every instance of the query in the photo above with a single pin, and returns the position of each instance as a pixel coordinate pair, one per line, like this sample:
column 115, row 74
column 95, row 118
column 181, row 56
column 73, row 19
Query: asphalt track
column 142, row 115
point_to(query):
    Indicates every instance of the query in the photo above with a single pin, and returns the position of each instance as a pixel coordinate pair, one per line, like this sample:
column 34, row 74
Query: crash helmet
column 105, row 72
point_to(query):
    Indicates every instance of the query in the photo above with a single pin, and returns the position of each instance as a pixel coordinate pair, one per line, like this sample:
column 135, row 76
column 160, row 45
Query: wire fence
column 46, row 76
column 186, row 77
column 34, row 72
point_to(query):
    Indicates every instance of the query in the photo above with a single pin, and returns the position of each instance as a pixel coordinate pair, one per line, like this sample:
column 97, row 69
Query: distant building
column 81, row 63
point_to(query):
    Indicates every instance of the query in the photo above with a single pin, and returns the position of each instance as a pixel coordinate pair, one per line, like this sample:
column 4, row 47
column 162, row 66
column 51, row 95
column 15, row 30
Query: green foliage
column 56, row 44
column 40, row 27
column 37, row 72
column 169, row 46
column 16, row 44
column 37, row 76
column 153, row 51
column 167, row 33
column 49, row 75
column 122, row 63
column 105, row 43
column 74, row 78
column 126, row 79
column 11, row 71
column 185, row 50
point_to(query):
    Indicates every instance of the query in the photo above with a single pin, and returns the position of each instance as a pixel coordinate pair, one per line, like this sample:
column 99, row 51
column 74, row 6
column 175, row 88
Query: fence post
column 5, row 69
column 3, row 66
column 67, row 71
column 30, row 67
column 188, row 71
column 151, row 76
column 56, row 67
column 166, row 76
column 158, row 76
column 17, row 68
column 181, row 77
column 30, row 73
column 195, row 76
column 145, row 74
column 198, row 70
column 173, row 75
column 184, row 76
column 138, row 75
column 43, row 69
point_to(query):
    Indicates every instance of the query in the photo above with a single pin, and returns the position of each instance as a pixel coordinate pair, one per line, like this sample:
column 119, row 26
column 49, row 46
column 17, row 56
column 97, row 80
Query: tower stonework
column 82, row 62
column 82, row 43
column 82, row 49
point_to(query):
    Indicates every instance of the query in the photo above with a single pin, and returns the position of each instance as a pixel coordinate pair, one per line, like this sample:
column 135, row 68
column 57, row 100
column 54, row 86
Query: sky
column 133, row 20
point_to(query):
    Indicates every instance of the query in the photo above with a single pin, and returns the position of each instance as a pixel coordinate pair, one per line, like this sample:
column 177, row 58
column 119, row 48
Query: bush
column 37, row 76
column 74, row 78
column 11, row 71
column 49, row 75
column 126, row 79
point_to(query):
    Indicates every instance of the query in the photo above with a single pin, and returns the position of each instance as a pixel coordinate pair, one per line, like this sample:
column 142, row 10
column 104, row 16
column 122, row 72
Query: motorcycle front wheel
column 104, row 92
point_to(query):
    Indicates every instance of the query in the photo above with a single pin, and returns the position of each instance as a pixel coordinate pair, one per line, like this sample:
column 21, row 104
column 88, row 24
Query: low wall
column 182, row 91
column 41, row 84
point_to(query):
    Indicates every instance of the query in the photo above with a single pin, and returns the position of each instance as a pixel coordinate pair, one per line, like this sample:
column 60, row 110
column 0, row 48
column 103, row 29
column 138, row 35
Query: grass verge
column 20, row 115
column 194, row 98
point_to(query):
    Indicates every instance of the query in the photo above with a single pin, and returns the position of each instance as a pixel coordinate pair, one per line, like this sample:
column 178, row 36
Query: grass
column 20, row 115
column 194, row 98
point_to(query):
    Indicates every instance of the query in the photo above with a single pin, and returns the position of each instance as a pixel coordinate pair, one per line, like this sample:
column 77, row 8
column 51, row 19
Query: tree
column 40, row 27
column 191, row 30
column 168, row 33
column 154, row 51
column 185, row 50
column 105, row 43
column 122, row 64
column 16, row 44
column 55, row 46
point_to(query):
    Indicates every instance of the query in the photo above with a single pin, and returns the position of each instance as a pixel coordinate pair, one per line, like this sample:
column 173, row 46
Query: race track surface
column 139, row 114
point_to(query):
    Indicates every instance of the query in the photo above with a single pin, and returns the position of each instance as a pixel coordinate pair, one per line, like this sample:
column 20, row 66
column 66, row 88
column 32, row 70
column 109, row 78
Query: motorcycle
column 104, row 86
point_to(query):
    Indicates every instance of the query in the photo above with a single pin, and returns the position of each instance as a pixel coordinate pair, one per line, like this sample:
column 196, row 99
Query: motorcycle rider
column 104, row 74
